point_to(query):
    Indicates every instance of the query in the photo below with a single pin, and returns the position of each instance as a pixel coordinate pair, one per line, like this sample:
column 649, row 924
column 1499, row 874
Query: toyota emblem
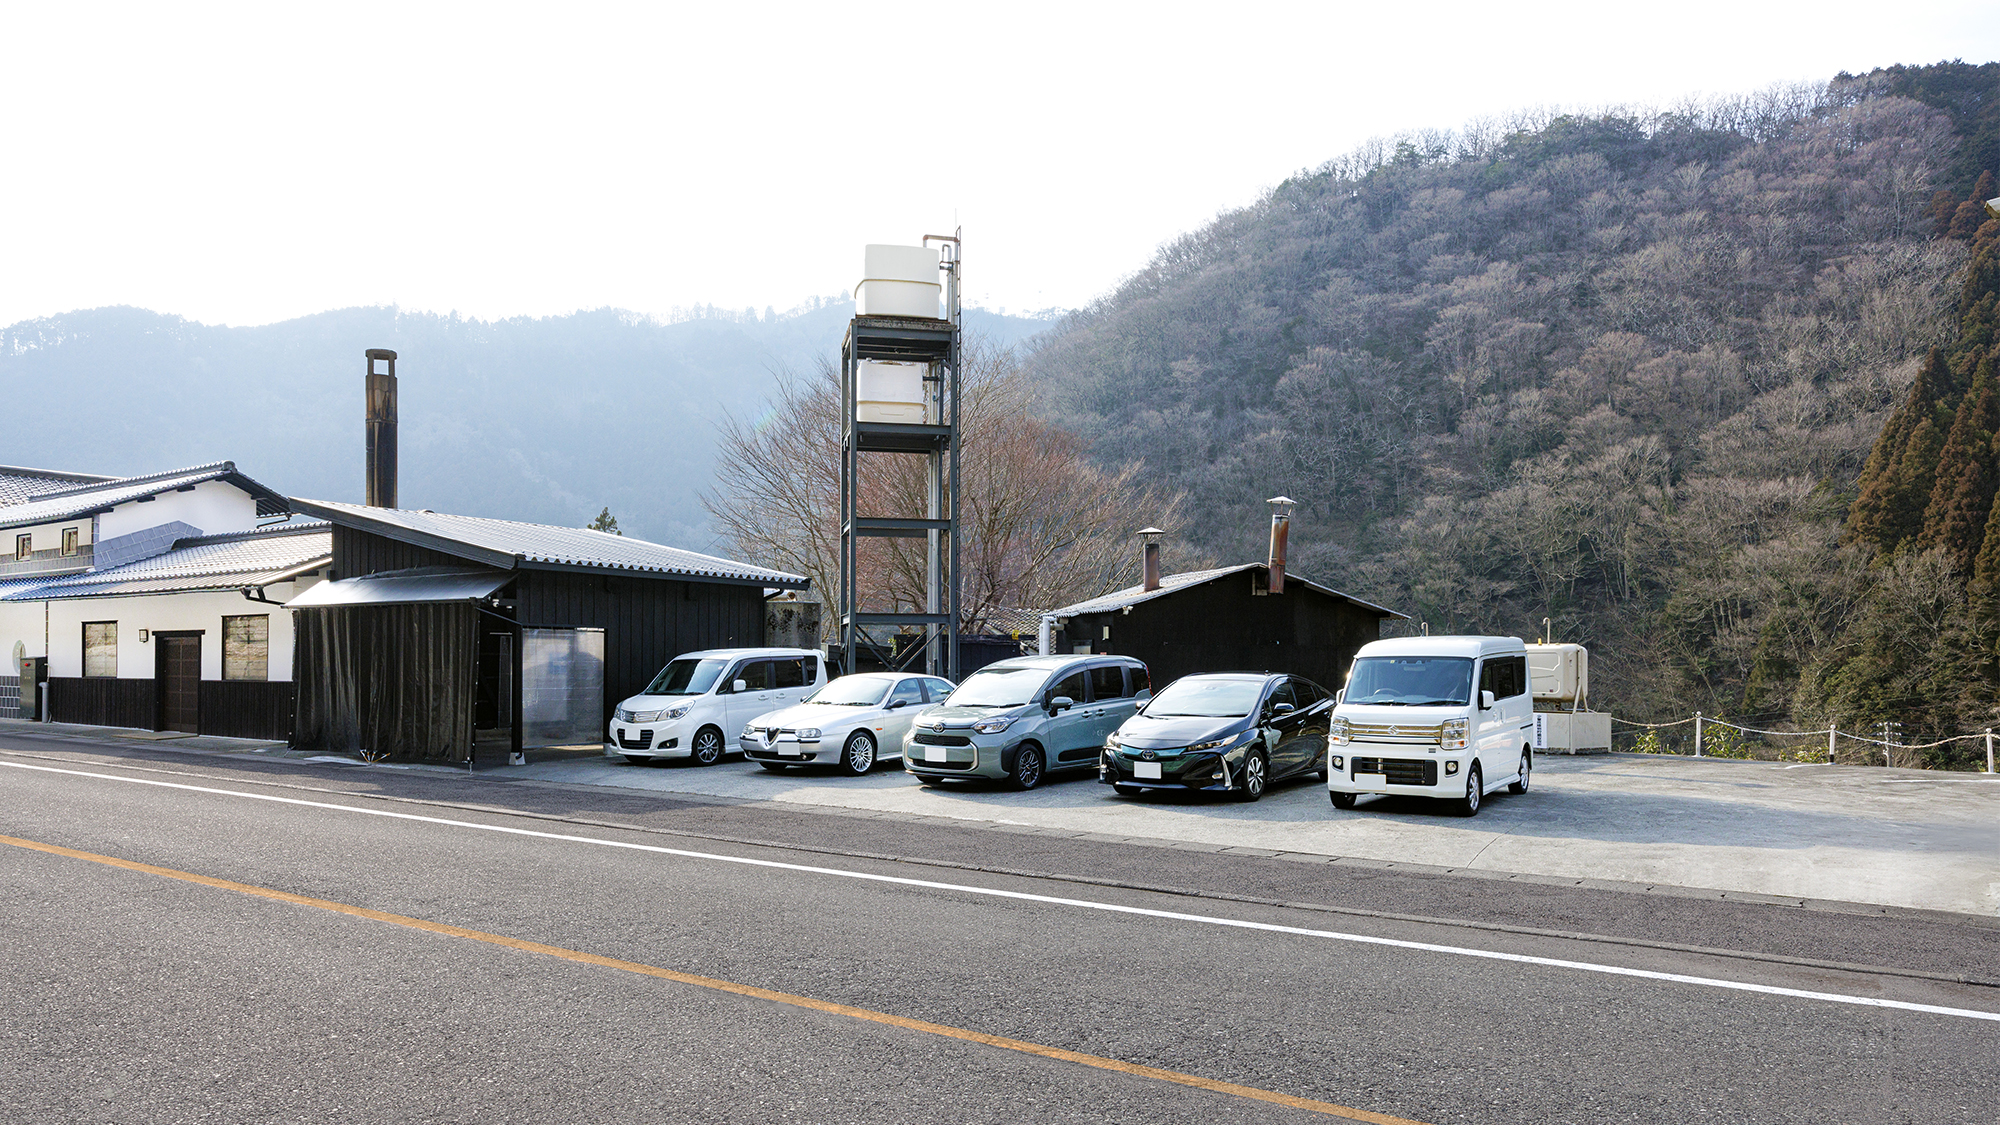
column 1151, row 755
column 938, row 725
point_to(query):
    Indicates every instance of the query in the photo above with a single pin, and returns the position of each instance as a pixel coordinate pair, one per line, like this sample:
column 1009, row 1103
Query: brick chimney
column 1281, row 526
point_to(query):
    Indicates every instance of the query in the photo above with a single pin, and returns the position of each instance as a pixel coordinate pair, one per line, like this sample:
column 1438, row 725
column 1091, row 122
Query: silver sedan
column 850, row 722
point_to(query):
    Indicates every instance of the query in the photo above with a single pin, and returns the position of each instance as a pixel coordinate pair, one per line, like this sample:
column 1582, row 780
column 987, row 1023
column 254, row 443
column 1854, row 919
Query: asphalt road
column 478, row 950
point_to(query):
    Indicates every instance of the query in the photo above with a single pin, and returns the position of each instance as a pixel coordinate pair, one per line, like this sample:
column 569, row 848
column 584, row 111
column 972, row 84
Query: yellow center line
column 1097, row 1061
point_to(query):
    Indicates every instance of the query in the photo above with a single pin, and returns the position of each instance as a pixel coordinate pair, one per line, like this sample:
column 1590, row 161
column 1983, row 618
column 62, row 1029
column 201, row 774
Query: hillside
column 546, row 420
column 1619, row 370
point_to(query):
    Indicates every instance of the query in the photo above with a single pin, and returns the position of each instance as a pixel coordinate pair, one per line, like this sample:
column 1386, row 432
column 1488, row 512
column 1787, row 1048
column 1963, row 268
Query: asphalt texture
column 133, row 997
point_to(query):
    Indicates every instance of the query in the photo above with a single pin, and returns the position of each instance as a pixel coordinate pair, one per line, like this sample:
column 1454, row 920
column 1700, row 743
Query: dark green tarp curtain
column 391, row 679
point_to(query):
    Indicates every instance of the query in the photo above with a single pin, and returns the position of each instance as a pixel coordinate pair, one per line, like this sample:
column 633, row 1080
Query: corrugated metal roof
column 1133, row 595
column 215, row 562
column 83, row 499
column 18, row 484
column 506, row 543
column 428, row 584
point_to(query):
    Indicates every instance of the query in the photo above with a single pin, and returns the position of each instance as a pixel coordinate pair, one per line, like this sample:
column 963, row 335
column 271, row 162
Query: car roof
column 1054, row 662
column 1442, row 646
column 725, row 653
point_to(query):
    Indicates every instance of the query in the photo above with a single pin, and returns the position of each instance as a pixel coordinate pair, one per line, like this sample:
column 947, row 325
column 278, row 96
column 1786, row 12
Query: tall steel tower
column 899, row 394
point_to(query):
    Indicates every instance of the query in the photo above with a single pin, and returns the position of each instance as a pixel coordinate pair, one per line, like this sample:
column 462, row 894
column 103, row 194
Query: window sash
column 24, row 546
column 246, row 647
column 100, row 649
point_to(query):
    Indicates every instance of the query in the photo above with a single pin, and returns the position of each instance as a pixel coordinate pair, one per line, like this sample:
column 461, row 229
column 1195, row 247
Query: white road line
column 1084, row 904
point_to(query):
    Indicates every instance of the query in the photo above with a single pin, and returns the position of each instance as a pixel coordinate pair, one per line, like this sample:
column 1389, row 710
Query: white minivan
column 697, row 699
column 1441, row 717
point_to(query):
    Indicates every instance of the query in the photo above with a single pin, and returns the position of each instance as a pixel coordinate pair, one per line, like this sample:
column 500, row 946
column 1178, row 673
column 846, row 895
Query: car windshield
column 685, row 677
column 853, row 691
column 999, row 687
column 1410, row 681
column 1205, row 698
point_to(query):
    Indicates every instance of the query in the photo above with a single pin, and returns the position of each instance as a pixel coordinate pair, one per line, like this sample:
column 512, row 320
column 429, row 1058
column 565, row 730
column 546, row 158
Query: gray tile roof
column 1133, row 595
column 83, row 499
column 212, row 562
column 18, row 484
column 508, row 544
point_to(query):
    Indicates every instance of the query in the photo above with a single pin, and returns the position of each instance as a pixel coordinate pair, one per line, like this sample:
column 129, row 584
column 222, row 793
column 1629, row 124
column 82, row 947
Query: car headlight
column 808, row 734
column 1455, row 734
column 1112, row 741
column 1340, row 732
column 994, row 725
column 673, row 712
column 1226, row 740
column 747, row 732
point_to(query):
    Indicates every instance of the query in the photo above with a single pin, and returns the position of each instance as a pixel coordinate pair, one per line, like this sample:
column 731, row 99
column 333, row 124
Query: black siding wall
column 103, row 702
column 646, row 621
column 1221, row 626
column 247, row 709
column 360, row 552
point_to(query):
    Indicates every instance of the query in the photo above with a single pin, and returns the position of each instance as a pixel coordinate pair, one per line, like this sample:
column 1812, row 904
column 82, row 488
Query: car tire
column 1029, row 768
column 858, row 756
column 1468, row 805
column 774, row 767
column 707, row 746
column 1256, row 775
column 1341, row 800
column 1520, row 784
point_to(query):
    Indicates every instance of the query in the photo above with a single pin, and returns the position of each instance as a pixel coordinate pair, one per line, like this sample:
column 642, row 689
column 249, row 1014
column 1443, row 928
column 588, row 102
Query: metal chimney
column 1281, row 526
column 1149, row 557
column 381, row 411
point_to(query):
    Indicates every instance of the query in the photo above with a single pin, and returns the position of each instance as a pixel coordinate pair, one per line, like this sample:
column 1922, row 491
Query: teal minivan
column 1025, row 718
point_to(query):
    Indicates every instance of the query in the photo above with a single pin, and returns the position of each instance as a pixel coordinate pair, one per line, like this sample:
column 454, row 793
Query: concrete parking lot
column 1907, row 838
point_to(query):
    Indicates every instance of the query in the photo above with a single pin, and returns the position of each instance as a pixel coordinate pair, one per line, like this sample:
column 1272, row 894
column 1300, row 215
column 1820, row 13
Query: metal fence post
column 1832, row 733
column 1697, row 734
column 1989, row 749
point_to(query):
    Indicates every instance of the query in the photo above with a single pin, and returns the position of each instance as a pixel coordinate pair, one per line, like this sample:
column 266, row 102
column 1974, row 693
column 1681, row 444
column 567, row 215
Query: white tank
column 888, row 391
column 899, row 281
column 1559, row 673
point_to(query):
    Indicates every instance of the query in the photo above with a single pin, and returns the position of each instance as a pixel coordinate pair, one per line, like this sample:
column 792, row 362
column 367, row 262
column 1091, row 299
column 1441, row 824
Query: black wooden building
column 414, row 647
column 1226, row 620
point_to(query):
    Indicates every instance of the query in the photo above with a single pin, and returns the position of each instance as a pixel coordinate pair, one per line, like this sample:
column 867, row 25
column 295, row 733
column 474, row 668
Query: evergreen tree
column 1885, row 513
column 1962, row 496
column 605, row 522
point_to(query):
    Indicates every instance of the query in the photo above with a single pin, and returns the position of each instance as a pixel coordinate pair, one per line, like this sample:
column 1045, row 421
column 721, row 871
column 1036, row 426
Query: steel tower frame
column 935, row 343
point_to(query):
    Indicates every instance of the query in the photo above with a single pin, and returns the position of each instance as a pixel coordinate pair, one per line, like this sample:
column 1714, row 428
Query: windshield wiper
column 1438, row 703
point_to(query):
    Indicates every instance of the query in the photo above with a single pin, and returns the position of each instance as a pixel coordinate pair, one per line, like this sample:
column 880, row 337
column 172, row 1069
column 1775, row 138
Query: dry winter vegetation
column 1621, row 370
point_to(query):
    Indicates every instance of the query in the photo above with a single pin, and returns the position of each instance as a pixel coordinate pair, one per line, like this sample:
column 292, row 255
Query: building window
column 100, row 648
column 246, row 647
column 69, row 541
column 24, row 546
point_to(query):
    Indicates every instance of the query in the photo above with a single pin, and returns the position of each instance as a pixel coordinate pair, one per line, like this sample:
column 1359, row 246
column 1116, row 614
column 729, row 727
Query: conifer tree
column 1884, row 514
column 1962, row 496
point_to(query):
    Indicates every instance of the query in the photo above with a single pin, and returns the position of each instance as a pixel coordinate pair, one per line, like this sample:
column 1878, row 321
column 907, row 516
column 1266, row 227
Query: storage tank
column 1559, row 673
column 889, row 391
column 1559, row 681
column 899, row 281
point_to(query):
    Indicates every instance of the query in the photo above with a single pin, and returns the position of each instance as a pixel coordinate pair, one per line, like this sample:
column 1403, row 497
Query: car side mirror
column 1280, row 710
column 740, row 686
column 1060, row 704
column 1340, row 697
column 895, row 703
column 1486, row 701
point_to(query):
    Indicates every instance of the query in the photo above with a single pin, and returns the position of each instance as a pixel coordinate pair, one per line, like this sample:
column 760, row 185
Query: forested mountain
column 1620, row 370
column 541, row 419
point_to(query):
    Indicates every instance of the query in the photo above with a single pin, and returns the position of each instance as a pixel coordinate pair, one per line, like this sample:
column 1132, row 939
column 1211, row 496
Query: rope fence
column 1708, row 745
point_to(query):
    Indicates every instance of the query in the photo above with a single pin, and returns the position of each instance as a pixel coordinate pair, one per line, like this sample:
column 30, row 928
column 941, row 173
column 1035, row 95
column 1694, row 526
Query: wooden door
column 180, row 683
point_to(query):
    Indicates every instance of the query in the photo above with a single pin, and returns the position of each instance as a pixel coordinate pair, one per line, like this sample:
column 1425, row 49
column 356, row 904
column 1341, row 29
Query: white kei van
column 689, row 708
column 1442, row 717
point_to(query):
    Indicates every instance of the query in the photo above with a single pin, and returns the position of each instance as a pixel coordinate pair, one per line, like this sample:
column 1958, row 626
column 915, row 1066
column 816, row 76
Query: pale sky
column 248, row 164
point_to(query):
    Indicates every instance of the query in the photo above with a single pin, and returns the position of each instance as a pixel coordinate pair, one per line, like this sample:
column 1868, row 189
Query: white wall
column 214, row 507
column 158, row 612
column 22, row 622
column 47, row 536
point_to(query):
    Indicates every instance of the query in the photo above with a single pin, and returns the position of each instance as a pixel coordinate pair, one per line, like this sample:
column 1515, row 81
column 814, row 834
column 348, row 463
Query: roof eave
column 789, row 582
column 341, row 518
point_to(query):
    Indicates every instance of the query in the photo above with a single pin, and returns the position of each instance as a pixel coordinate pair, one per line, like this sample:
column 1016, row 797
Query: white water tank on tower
column 899, row 281
column 888, row 391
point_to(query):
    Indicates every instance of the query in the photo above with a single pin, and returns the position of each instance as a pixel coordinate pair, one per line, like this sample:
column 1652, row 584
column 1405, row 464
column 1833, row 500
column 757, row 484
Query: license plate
column 1372, row 780
column 791, row 751
column 935, row 754
column 1146, row 771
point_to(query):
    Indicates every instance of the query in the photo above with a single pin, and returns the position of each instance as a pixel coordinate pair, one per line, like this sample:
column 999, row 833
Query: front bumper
column 787, row 750
column 1206, row 769
column 952, row 753
column 1415, row 770
column 645, row 740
